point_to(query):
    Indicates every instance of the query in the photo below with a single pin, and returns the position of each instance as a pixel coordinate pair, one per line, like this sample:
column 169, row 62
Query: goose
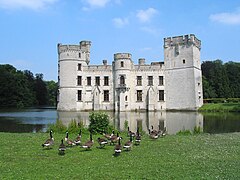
column 128, row 144
column 164, row 132
column 88, row 144
column 102, row 142
column 138, row 137
column 108, row 136
column 49, row 142
column 114, row 139
column 130, row 133
column 154, row 131
column 77, row 141
column 62, row 148
column 153, row 135
column 118, row 147
column 69, row 142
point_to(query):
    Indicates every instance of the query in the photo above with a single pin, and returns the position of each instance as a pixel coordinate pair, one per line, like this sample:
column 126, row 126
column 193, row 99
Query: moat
column 37, row 120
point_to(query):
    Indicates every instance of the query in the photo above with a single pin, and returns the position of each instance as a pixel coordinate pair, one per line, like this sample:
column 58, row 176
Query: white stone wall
column 181, row 73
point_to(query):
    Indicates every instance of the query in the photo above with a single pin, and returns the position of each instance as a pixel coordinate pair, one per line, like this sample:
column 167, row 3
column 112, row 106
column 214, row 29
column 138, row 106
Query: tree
column 41, row 90
column 52, row 88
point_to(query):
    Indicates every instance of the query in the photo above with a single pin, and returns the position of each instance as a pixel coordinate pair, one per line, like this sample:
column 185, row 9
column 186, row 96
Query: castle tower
column 72, row 59
column 122, row 67
column 183, row 72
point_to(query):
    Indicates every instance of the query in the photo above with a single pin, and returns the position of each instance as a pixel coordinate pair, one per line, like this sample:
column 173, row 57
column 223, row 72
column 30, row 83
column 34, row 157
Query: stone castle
column 175, row 84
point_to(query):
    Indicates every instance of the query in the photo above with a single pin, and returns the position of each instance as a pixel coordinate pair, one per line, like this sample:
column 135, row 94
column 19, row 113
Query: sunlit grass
column 221, row 107
column 201, row 156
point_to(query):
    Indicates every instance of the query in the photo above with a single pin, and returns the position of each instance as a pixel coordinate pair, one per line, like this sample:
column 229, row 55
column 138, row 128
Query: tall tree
column 41, row 90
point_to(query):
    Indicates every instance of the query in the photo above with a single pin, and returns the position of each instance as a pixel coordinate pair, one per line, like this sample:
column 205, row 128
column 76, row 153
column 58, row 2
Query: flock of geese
column 112, row 139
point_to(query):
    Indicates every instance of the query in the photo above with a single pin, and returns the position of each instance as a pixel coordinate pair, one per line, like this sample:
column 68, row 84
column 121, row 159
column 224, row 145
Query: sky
column 31, row 29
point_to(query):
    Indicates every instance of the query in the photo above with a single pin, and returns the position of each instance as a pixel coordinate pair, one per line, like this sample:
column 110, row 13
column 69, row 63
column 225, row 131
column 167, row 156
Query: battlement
column 182, row 40
column 122, row 56
column 67, row 48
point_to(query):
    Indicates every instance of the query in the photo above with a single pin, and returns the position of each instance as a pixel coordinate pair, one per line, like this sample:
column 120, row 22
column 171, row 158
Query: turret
column 85, row 48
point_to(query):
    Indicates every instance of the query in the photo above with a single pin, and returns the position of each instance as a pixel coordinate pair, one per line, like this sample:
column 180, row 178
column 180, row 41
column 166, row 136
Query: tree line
column 20, row 89
column 221, row 80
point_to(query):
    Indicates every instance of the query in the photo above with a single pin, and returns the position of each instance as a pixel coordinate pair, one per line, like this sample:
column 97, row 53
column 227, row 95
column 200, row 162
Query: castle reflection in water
column 173, row 121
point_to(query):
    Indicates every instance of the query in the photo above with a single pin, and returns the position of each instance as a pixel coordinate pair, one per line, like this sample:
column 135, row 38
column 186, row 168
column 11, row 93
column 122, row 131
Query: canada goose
column 164, row 132
column 108, row 136
column 102, row 142
column 62, row 148
column 118, row 147
column 128, row 144
column 88, row 144
column 69, row 142
column 130, row 133
column 114, row 139
column 77, row 141
column 154, row 131
column 153, row 135
column 138, row 137
column 49, row 142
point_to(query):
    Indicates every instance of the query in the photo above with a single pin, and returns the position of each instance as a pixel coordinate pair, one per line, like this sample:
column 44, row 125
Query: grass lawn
column 201, row 156
column 221, row 107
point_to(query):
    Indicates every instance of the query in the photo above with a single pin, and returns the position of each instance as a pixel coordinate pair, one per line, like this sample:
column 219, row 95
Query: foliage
column 21, row 89
column 173, row 157
column 221, row 107
column 58, row 127
column 221, row 80
column 125, row 125
column 99, row 122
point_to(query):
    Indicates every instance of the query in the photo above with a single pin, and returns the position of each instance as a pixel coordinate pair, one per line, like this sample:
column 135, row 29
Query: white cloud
column 120, row 22
column 151, row 30
column 226, row 18
column 29, row 4
column 146, row 15
column 97, row 3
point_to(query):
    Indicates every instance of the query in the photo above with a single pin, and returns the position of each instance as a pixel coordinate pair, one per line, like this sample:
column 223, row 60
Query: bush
column 99, row 122
column 57, row 127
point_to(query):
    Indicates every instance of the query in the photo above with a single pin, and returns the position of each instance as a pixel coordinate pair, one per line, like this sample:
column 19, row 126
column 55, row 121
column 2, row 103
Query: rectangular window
column 139, row 80
column 122, row 80
column 139, row 95
column 97, row 81
column 150, row 80
column 160, row 80
column 122, row 64
column 106, row 95
column 79, row 67
column 79, row 80
column 106, row 83
column 88, row 81
column 161, row 95
column 79, row 95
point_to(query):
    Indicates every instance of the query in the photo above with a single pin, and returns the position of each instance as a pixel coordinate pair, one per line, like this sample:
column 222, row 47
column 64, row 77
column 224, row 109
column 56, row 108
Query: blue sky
column 31, row 29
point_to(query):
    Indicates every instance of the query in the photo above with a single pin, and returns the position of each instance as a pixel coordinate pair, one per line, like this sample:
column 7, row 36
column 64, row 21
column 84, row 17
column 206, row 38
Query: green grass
column 221, row 107
column 201, row 156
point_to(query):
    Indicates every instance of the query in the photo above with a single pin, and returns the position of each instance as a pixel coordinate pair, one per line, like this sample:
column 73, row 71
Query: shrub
column 99, row 122
column 57, row 127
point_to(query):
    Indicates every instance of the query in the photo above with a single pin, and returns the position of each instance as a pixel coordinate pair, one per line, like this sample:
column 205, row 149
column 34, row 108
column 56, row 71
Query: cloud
column 146, row 15
column 120, row 22
column 226, row 18
column 151, row 30
column 96, row 3
column 28, row 4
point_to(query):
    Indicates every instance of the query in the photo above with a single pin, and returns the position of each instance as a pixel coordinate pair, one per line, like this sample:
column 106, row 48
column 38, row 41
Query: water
column 37, row 120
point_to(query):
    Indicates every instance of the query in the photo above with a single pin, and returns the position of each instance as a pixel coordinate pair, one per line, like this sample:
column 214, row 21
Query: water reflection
column 173, row 121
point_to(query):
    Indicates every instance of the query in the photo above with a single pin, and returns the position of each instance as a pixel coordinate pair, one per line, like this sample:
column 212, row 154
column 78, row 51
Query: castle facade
column 175, row 84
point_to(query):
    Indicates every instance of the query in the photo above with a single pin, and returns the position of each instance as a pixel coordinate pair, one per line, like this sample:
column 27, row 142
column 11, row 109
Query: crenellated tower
column 183, row 72
column 72, row 59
